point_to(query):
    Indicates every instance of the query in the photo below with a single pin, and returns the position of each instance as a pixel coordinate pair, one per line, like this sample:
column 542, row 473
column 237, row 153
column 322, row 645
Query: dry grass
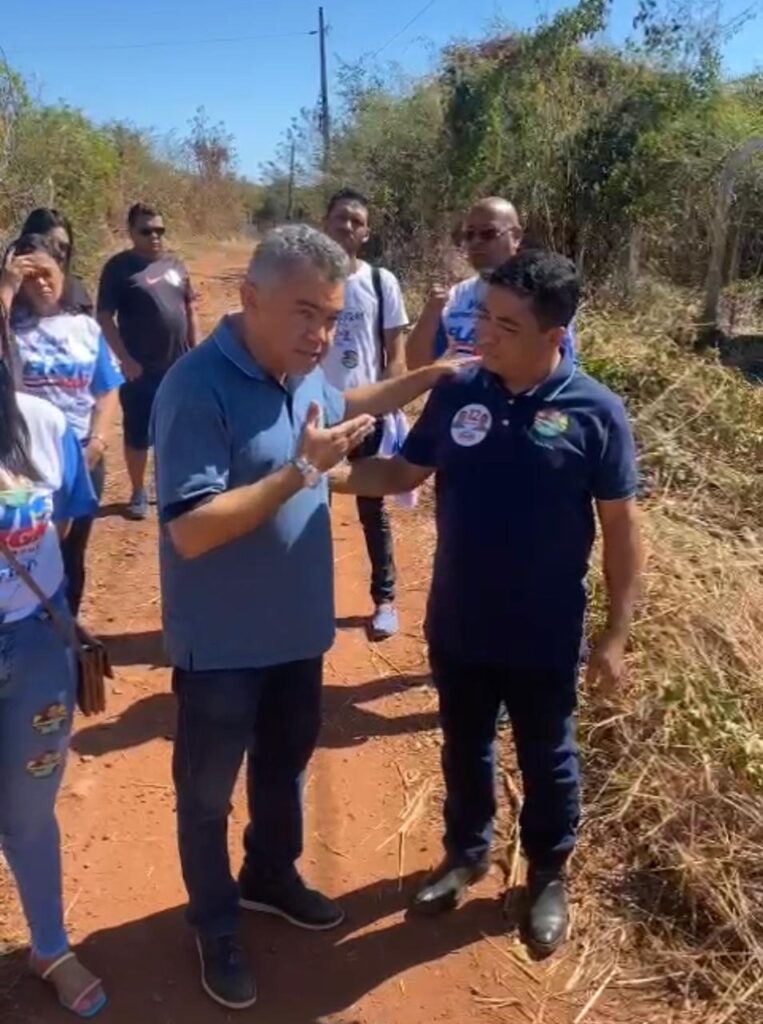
column 675, row 775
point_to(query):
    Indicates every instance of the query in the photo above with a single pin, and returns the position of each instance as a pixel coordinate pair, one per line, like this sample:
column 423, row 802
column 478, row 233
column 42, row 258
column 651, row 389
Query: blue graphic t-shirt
column 29, row 510
column 65, row 359
column 458, row 325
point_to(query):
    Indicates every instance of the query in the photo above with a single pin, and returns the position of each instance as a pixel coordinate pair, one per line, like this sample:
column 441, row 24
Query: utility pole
column 290, row 189
column 325, row 124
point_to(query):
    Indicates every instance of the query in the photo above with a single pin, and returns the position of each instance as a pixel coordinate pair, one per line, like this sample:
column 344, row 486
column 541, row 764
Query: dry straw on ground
column 675, row 775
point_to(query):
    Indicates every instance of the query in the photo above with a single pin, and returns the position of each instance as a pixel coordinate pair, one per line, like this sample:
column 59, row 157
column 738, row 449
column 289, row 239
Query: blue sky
column 104, row 57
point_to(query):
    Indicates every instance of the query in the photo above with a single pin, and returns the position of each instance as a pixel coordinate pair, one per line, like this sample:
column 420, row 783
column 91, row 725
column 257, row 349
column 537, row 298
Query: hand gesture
column 455, row 358
column 606, row 665
column 438, row 297
column 18, row 268
column 325, row 447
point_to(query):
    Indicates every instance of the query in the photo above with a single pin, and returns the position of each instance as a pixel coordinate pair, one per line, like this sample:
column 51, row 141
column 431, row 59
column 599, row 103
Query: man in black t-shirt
column 145, row 308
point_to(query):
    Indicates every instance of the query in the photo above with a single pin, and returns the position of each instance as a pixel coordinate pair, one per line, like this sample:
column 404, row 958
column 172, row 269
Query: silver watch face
column 310, row 474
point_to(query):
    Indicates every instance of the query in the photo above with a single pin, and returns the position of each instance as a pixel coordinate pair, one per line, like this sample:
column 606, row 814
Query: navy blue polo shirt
column 221, row 422
column 516, row 479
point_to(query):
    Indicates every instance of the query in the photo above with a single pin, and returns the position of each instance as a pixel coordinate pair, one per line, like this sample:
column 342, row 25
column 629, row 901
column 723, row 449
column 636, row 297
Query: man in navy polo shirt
column 245, row 427
column 524, row 448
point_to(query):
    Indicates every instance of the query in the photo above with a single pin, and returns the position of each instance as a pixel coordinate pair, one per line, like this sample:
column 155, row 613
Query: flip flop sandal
column 95, row 1009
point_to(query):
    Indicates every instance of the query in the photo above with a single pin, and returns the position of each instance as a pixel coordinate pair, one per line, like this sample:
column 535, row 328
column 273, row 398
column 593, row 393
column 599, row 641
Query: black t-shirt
column 150, row 299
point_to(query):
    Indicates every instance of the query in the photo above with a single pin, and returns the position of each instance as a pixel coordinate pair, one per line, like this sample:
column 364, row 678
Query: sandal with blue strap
column 91, row 999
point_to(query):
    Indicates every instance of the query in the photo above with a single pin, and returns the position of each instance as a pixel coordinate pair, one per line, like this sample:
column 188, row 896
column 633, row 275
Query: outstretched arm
column 376, row 477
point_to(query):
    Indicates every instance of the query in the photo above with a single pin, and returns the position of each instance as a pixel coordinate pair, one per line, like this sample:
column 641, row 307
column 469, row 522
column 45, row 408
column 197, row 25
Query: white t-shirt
column 458, row 325
column 28, row 513
column 65, row 359
column 355, row 357
column 459, row 317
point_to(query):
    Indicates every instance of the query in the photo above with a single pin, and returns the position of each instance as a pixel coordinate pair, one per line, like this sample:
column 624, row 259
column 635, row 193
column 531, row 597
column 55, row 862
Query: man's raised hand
column 325, row 447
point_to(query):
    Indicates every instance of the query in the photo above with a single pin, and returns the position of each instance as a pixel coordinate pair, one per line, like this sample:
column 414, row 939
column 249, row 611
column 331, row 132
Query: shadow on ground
column 145, row 648
column 151, row 971
column 745, row 353
column 346, row 723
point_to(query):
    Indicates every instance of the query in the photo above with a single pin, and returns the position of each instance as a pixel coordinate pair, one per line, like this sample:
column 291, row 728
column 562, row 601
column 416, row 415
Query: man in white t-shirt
column 492, row 234
column 369, row 345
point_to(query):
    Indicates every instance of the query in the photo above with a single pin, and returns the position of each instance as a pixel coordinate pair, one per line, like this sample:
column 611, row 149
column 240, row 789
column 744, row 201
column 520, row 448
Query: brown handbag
column 93, row 665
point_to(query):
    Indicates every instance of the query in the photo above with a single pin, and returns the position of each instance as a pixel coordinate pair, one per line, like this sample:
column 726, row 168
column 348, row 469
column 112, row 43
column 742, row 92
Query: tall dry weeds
column 675, row 774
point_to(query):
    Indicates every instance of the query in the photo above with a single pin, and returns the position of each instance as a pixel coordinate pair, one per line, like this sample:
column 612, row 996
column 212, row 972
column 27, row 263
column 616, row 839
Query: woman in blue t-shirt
column 43, row 486
column 62, row 356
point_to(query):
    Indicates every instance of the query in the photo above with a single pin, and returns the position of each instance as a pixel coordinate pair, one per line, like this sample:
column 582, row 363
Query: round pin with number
column 471, row 425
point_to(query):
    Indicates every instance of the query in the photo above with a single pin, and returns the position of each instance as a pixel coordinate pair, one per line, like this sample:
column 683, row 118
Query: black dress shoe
column 446, row 886
column 225, row 975
column 294, row 902
column 547, row 916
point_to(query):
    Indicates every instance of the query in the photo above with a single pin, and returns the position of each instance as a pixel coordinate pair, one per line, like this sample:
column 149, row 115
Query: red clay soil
column 372, row 816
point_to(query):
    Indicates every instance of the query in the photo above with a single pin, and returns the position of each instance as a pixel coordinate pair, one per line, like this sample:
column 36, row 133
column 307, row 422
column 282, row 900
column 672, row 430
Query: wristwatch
column 310, row 475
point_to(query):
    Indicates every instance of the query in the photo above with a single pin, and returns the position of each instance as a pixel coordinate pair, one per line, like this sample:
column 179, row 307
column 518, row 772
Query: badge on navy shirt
column 471, row 425
column 549, row 423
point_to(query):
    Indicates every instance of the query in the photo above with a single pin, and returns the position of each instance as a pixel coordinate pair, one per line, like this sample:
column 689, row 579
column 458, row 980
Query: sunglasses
column 470, row 235
column 150, row 232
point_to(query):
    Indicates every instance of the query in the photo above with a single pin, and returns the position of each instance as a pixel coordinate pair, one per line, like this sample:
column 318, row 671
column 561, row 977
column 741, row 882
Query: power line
column 405, row 28
column 161, row 43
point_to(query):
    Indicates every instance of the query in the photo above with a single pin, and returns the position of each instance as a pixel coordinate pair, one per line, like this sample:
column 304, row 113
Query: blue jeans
column 37, row 688
column 541, row 705
column 273, row 716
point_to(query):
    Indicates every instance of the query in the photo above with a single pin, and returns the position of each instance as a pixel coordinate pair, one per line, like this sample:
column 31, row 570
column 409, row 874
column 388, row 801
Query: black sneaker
column 225, row 975
column 446, row 887
column 293, row 901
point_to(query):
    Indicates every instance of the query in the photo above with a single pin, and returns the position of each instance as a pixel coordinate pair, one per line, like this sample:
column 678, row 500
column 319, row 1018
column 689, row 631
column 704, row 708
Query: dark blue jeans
column 273, row 716
column 541, row 706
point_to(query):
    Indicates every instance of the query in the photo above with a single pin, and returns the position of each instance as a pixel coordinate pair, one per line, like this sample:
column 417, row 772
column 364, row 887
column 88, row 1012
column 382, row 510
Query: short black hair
column 138, row 210
column 347, row 195
column 549, row 280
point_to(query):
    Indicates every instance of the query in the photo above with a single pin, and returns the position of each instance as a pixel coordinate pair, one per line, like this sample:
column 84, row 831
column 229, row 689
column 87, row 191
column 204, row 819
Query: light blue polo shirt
column 219, row 422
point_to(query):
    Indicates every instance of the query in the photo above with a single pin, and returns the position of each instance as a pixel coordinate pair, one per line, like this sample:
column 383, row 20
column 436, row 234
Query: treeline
column 55, row 156
column 613, row 155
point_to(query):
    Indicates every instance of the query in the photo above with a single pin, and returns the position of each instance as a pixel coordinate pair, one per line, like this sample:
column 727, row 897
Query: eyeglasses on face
column 471, row 235
column 150, row 232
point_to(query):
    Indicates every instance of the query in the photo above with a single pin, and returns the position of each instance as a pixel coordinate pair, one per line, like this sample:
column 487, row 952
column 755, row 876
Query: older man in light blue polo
column 246, row 426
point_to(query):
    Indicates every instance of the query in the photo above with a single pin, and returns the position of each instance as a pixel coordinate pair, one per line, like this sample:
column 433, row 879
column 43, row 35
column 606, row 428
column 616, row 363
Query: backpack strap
column 377, row 283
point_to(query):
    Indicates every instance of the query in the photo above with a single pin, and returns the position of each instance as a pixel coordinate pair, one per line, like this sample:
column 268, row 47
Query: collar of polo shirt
column 548, row 389
column 232, row 347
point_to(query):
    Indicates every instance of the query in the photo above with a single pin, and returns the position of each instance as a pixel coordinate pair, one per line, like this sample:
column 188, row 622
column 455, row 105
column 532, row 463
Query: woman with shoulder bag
column 44, row 485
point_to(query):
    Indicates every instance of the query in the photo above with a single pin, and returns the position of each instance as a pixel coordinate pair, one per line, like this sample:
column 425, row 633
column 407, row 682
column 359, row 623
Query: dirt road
column 372, row 815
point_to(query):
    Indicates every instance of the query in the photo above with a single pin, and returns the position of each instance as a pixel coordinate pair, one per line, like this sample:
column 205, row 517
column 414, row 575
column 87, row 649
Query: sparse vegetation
column 55, row 156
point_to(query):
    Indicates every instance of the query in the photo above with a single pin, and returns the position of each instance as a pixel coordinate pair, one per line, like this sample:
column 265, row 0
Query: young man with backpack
column 369, row 346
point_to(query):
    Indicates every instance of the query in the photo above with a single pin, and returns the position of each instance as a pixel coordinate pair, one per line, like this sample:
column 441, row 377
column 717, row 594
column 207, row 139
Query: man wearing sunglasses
column 491, row 235
column 145, row 309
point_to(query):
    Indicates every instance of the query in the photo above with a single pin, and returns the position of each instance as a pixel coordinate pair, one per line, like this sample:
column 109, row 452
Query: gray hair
column 297, row 245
